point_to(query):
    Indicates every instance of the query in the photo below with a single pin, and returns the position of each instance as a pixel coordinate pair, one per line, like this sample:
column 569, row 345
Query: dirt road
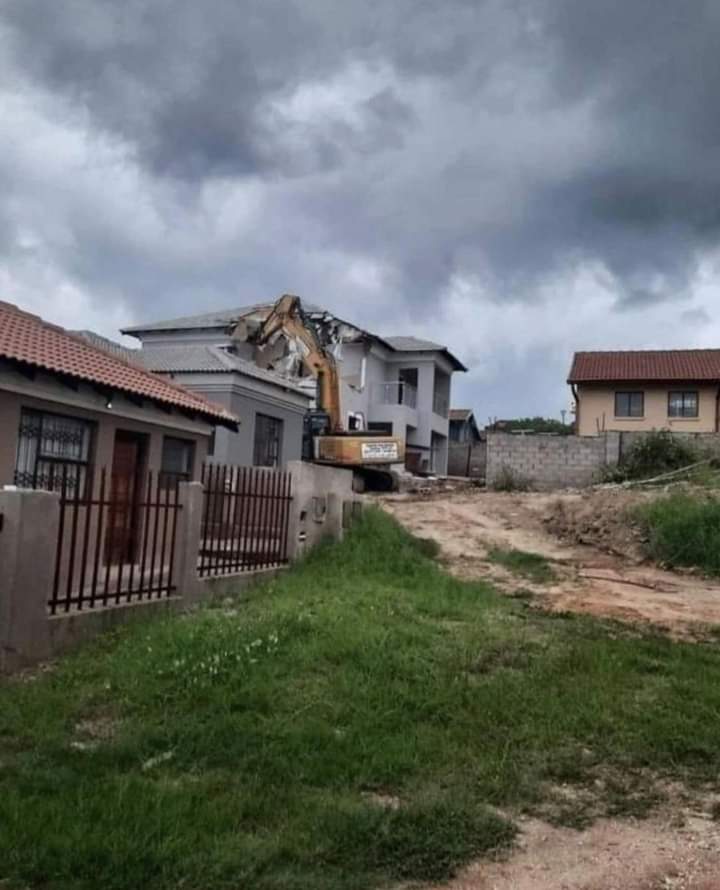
column 679, row 847
column 608, row 582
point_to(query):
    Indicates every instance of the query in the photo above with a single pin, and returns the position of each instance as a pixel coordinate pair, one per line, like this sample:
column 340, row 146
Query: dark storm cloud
column 502, row 142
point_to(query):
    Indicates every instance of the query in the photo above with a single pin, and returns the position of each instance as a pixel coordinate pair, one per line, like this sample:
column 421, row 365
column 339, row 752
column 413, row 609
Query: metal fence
column 246, row 517
column 116, row 541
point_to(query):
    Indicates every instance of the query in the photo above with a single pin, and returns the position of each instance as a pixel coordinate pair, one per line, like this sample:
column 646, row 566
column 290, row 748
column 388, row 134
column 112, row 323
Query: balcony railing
column 397, row 393
column 441, row 405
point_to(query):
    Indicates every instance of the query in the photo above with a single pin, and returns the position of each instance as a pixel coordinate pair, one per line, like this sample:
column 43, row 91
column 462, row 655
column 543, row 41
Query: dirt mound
column 602, row 520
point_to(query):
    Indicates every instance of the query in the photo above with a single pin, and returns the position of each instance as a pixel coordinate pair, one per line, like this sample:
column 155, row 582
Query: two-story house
column 398, row 385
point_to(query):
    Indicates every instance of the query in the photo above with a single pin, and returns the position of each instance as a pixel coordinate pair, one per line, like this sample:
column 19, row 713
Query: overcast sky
column 516, row 179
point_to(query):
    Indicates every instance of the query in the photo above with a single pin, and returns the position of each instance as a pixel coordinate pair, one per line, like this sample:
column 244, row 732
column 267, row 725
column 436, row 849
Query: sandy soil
column 599, row 569
column 655, row 854
column 605, row 580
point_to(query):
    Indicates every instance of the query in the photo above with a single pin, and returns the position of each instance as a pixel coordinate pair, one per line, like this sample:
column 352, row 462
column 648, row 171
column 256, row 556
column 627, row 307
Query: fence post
column 187, row 544
column 28, row 545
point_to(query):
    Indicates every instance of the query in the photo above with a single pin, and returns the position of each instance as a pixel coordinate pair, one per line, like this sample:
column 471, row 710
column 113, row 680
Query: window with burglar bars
column 53, row 450
column 268, row 441
column 177, row 460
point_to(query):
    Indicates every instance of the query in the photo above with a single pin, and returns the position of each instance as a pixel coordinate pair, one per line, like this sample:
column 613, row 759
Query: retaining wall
column 545, row 461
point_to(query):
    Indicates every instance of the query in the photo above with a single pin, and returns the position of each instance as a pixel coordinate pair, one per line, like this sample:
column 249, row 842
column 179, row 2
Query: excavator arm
column 287, row 318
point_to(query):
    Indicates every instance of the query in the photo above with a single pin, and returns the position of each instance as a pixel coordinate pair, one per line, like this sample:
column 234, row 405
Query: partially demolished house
column 396, row 385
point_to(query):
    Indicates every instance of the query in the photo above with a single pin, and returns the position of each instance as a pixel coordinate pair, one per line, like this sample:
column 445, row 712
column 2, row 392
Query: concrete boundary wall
column 545, row 461
column 323, row 505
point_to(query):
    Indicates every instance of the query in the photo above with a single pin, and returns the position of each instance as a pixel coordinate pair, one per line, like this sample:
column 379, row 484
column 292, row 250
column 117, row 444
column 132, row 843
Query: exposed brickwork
column 547, row 461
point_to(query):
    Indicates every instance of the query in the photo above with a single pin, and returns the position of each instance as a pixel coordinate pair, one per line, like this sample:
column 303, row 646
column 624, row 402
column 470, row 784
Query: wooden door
column 122, row 529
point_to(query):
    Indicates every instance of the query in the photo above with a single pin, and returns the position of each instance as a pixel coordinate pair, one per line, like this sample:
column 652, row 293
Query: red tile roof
column 666, row 365
column 31, row 341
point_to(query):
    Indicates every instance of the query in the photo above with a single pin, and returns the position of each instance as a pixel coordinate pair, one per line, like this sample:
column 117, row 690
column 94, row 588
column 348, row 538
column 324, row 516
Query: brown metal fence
column 116, row 541
column 245, row 522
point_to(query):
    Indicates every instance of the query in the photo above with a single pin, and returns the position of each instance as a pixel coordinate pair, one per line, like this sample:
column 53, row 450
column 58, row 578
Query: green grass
column 254, row 744
column 683, row 530
column 529, row 565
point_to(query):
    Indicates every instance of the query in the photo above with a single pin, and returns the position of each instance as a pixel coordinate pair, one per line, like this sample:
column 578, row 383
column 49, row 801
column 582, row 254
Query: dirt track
column 677, row 849
column 588, row 579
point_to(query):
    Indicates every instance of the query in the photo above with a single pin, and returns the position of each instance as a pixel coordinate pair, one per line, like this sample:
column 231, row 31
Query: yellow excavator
column 370, row 455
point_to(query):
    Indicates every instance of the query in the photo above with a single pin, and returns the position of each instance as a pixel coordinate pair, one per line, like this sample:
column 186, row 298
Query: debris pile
column 603, row 520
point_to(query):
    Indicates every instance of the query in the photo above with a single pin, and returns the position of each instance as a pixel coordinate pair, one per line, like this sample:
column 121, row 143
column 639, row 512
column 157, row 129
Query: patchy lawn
column 350, row 725
column 533, row 566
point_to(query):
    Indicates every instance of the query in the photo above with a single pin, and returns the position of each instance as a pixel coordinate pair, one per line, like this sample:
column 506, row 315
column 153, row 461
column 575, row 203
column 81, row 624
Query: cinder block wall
column 547, row 462
column 703, row 443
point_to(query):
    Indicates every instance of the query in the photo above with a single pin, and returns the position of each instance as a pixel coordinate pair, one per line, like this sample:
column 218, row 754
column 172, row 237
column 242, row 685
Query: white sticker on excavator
column 380, row 451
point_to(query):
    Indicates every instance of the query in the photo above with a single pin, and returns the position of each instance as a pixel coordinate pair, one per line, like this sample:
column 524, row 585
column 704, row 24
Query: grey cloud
column 506, row 141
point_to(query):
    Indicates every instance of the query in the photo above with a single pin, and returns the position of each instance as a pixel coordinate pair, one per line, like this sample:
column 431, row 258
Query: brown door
column 122, row 530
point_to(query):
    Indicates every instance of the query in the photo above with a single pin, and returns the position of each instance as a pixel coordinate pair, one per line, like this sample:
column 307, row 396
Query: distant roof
column 117, row 349
column 460, row 413
column 222, row 318
column 29, row 340
column 227, row 318
column 415, row 344
column 660, row 364
column 207, row 359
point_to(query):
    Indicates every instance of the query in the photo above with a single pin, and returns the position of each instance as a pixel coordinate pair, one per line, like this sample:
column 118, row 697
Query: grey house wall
column 419, row 426
column 246, row 399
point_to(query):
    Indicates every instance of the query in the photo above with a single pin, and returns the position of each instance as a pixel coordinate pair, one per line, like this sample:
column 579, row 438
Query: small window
column 629, row 404
column 177, row 461
column 211, row 444
column 53, row 451
column 268, row 441
column 683, row 404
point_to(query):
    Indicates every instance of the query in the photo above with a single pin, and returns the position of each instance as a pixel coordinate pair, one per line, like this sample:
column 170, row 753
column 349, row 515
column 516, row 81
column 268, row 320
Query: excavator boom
column 366, row 452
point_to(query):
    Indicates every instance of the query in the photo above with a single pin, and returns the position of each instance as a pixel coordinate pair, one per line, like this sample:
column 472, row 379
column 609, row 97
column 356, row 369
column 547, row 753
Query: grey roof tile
column 207, row 359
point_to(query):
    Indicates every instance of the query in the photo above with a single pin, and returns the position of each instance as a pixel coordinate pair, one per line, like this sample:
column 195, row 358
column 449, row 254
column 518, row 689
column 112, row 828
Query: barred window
column 53, row 451
column 268, row 441
column 177, row 460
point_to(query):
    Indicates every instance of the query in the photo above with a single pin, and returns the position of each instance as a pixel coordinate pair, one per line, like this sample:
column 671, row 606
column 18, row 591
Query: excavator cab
column 315, row 423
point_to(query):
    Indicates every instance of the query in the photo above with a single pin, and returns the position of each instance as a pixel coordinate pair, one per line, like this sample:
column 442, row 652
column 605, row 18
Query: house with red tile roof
column 68, row 407
column 675, row 389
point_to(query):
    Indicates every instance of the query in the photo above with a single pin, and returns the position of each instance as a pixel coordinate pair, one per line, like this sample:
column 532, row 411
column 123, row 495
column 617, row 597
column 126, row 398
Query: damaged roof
column 208, row 359
column 225, row 319
column 639, row 365
column 32, row 342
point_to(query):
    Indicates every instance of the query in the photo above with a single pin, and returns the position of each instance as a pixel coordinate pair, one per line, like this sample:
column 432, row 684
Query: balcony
column 396, row 393
column 441, row 405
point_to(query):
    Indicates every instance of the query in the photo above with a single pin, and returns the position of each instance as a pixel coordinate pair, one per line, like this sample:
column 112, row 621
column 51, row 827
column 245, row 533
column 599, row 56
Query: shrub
column 660, row 451
column 510, row 480
column 683, row 531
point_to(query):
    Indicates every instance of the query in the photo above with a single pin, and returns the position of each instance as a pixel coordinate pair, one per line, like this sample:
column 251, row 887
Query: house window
column 177, row 461
column 629, row 404
column 268, row 441
column 683, row 404
column 52, row 450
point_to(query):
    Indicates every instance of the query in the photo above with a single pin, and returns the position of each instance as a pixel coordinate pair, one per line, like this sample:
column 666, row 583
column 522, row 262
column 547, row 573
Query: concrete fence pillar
column 316, row 509
column 187, row 542
column 28, row 545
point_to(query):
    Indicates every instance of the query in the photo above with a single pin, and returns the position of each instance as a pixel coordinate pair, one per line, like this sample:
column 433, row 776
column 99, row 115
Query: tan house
column 676, row 390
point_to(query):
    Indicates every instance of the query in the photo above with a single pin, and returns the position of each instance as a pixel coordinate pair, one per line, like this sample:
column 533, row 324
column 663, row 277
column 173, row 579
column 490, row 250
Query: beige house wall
column 596, row 408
